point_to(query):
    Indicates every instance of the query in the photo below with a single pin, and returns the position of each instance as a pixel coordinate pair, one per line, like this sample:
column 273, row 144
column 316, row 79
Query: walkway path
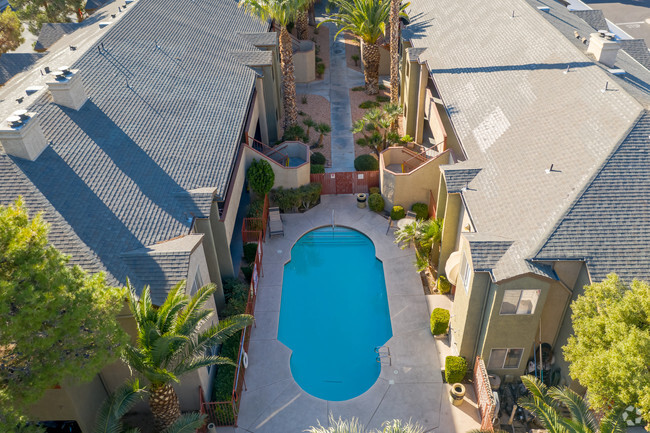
column 335, row 86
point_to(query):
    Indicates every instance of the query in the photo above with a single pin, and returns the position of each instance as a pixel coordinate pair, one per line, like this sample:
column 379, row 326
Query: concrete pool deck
column 412, row 388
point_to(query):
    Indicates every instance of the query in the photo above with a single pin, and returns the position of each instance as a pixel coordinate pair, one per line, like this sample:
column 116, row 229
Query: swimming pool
column 334, row 312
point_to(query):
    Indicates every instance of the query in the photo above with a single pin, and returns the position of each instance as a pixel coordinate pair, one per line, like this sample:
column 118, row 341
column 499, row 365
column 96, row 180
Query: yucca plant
column 354, row 426
column 116, row 405
column 171, row 341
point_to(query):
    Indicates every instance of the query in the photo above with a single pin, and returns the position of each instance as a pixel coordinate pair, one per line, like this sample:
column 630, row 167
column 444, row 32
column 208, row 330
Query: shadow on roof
column 526, row 67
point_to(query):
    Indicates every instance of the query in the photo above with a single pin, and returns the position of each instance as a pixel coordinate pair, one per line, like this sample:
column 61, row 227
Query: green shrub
column 455, row 369
column 376, row 202
column 225, row 377
column 382, row 98
column 355, row 57
column 320, row 69
column 317, row 158
column 317, row 169
column 250, row 250
column 260, row 177
column 374, row 190
column 358, row 88
column 236, row 293
column 294, row 199
column 295, row 133
column 421, row 211
column 369, row 104
column 248, row 272
column 439, row 321
column 256, row 208
column 366, row 163
column 397, row 213
column 444, row 286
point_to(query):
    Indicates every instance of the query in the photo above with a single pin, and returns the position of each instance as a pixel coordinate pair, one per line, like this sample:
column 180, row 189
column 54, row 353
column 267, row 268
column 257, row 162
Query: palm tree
column 323, row 129
column 375, row 126
column 424, row 234
column 282, row 12
column 394, row 51
column 302, row 21
column 366, row 19
column 109, row 419
column 171, row 342
column 309, row 123
column 354, row 426
column 543, row 403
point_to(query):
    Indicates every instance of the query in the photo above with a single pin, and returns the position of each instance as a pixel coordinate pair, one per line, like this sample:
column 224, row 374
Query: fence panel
column 351, row 182
column 484, row 397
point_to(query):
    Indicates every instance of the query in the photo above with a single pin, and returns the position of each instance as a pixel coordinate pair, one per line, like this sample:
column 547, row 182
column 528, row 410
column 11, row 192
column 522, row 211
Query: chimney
column 67, row 88
column 603, row 47
column 21, row 135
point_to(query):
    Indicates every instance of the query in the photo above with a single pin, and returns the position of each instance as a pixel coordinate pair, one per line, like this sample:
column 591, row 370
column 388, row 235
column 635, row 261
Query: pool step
column 383, row 355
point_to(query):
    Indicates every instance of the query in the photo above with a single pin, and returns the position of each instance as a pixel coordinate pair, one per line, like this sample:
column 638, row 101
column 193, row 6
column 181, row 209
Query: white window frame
column 197, row 283
column 518, row 305
column 507, row 349
column 465, row 272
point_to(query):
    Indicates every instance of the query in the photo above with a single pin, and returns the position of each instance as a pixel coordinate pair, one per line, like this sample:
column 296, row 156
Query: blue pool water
column 334, row 312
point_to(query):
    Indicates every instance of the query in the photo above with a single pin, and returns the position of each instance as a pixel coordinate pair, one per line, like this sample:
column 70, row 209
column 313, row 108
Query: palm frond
column 613, row 422
column 188, row 317
column 186, row 423
column 165, row 347
column 220, row 332
column 538, row 389
column 175, row 301
column 202, row 361
column 577, row 406
column 545, row 414
column 116, row 406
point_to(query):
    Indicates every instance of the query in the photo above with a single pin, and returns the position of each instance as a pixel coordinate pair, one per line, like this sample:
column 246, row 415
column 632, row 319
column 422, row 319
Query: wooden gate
column 351, row 182
column 484, row 396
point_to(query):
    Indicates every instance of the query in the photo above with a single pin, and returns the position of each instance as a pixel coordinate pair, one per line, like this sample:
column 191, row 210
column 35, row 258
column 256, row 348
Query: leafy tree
column 56, row 321
column 323, row 129
column 366, row 19
column 544, row 404
column 171, row 342
column 375, row 126
column 10, row 31
column 109, row 419
column 38, row 12
column 260, row 177
column 354, row 426
column 609, row 352
column 282, row 12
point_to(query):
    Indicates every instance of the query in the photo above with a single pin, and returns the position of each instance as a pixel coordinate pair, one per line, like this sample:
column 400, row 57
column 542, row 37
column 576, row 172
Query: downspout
column 478, row 337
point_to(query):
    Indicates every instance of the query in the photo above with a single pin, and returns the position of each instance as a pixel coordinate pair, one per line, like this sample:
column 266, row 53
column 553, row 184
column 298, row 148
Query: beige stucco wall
column 450, row 228
column 384, row 60
column 405, row 189
column 304, row 62
column 286, row 177
column 513, row 331
column 202, row 225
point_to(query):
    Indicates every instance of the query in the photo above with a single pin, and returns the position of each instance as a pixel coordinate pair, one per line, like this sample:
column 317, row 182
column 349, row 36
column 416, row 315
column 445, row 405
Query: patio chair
column 275, row 222
column 410, row 215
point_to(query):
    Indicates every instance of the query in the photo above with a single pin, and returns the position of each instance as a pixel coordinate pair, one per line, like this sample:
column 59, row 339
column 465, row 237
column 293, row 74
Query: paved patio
column 411, row 388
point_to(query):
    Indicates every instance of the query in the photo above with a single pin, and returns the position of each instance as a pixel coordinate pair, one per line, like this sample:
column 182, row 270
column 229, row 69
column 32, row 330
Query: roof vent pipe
column 67, row 89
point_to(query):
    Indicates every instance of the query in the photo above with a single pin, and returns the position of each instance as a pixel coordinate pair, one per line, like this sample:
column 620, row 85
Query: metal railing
column 275, row 155
column 254, row 228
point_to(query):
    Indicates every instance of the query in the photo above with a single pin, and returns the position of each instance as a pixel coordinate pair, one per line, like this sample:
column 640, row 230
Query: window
column 519, row 301
column 197, row 283
column 505, row 358
column 465, row 272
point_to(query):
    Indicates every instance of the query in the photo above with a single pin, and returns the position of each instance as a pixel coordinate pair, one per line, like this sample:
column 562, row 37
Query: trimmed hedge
column 366, row 163
column 256, row 208
column 317, row 158
column 260, row 177
column 369, row 104
column 374, row 190
column 376, row 202
column 444, row 286
column 421, row 211
column 455, row 369
column 250, row 250
column 439, row 321
column 294, row 199
column 397, row 213
column 317, row 168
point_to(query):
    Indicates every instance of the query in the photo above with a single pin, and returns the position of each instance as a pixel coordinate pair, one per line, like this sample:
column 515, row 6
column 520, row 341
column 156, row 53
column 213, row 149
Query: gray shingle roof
column 609, row 224
column 165, row 114
column 515, row 113
column 594, row 18
column 14, row 63
column 638, row 49
column 486, row 251
column 52, row 32
column 458, row 179
column 261, row 39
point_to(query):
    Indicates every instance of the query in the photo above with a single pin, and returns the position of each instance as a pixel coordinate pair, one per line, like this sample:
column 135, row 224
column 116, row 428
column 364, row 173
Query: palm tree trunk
column 394, row 54
column 288, row 79
column 302, row 25
column 312, row 14
column 164, row 405
column 371, row 67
